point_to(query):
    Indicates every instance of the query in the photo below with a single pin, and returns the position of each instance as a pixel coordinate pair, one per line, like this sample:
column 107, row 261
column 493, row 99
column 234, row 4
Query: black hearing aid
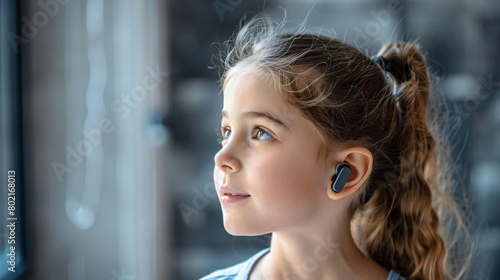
column 342, row 172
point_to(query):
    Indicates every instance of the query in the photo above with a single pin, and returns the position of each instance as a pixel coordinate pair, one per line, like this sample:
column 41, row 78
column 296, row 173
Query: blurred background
column 109, row 111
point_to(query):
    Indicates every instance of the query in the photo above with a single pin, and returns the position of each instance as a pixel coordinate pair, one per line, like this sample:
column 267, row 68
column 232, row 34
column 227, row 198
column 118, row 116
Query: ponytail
column 406, row 233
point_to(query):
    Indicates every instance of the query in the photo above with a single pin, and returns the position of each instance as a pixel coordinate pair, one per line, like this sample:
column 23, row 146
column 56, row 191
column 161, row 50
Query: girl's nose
column 226, row 159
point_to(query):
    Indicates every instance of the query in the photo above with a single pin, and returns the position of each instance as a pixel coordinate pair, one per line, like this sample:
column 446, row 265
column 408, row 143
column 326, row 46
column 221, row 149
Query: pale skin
column 274, row 165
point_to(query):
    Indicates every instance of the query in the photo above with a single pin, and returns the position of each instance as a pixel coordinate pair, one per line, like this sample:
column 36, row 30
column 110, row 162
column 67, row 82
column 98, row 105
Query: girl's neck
column 316, row 256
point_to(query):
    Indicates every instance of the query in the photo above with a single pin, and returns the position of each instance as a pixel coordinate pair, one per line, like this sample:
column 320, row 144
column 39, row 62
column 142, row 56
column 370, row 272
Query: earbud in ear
column 342, row 172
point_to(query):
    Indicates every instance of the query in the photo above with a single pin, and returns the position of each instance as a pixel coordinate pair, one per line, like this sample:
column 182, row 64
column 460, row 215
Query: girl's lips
column 228, row 195
column 225, row 190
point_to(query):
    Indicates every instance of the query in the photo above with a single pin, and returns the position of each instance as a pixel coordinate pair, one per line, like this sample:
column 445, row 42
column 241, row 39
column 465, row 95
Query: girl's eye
column 262, row 135
column 223, row 134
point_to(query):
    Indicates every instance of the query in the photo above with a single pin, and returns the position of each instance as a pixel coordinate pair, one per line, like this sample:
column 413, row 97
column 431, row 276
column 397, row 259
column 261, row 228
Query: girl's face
column 267, row 173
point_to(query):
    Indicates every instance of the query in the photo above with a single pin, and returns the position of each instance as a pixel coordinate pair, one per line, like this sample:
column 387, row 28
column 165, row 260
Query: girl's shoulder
column 239, row 271
column 242, row 270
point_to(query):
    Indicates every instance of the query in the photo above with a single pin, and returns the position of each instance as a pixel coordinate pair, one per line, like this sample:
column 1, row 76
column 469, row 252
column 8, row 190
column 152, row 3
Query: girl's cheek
column 271, row 172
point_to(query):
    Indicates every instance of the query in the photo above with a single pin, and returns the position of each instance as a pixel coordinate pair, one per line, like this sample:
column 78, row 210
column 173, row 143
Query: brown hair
column 403, row 215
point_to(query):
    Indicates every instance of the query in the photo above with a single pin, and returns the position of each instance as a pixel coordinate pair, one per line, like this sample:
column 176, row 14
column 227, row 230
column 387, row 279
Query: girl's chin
column 242, row 230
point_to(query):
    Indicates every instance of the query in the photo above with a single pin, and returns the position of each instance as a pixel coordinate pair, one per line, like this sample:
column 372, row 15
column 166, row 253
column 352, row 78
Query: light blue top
column 242, row 270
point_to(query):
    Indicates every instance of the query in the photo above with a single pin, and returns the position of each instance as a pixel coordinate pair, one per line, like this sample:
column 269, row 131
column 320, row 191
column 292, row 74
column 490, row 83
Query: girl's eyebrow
column 260, row 115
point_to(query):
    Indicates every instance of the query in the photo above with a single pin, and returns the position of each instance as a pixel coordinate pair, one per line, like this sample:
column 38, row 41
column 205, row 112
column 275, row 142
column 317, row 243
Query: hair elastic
column 394, row 89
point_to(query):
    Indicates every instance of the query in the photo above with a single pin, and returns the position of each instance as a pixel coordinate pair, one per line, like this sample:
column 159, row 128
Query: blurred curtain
column 94, row 82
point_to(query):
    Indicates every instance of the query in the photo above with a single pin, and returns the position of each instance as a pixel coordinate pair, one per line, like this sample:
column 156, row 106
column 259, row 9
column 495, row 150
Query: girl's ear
column 360, row 160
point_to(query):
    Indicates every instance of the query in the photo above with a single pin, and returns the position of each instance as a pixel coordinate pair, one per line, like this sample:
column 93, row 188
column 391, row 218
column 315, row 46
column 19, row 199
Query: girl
column 331, row 151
